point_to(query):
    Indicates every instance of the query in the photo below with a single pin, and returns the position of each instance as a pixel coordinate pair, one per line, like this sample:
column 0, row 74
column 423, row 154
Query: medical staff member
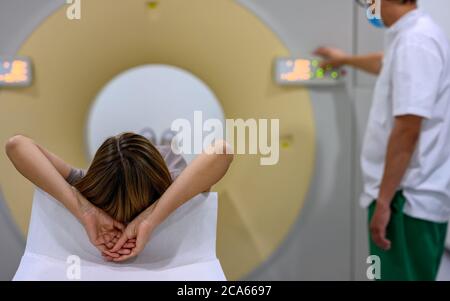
column 406, row 152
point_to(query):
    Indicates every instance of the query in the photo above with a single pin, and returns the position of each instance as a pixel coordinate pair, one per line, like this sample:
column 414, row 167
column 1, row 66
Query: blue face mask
column 375, row 19
column 378, row 23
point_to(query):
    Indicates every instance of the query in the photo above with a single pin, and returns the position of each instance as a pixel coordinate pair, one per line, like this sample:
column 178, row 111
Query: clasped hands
column 114, row 240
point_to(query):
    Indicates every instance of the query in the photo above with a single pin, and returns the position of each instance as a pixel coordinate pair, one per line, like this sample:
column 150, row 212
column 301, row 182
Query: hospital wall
column 328, row 241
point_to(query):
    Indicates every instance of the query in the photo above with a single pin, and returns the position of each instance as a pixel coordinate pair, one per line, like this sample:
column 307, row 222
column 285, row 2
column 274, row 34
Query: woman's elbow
column 13, row 143
column 223, row 151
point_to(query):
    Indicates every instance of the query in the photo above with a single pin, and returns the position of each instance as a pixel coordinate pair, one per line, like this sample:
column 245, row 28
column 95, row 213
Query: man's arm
column 401, row 147
column 371, row 63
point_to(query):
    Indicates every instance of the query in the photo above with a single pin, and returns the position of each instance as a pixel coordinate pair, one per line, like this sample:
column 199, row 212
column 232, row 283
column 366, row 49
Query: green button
column 320, row 73
column 152, row 4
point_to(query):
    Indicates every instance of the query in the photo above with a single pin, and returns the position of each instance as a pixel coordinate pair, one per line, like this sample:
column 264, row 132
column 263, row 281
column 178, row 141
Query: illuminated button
column 320, row 73
column 152, row 4
column 14, row 72
column 334, row 74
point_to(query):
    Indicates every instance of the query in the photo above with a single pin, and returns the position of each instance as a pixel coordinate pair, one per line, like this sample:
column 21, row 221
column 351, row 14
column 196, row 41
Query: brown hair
column 127, row 175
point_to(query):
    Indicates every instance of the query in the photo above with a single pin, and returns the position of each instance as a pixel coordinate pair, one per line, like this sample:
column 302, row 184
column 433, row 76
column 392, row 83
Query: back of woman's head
column 127, row 175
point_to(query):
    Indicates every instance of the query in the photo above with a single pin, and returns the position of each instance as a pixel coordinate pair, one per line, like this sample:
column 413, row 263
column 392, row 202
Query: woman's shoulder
column 74, row 175
column 175, row 162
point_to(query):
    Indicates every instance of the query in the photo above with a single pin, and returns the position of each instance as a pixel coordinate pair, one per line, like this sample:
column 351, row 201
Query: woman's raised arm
column 45, row 170
column 49, row 173
column 205, row 171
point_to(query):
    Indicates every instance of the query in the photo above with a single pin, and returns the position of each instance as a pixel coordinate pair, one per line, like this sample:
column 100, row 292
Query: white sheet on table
column 182, row 248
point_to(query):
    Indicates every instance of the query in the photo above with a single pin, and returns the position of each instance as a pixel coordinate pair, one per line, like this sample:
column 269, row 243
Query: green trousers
column 417, row 246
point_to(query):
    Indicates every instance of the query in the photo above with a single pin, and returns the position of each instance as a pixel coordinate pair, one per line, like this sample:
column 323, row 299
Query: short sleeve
column 74, row 175
column 175, row 163
column 416, row 73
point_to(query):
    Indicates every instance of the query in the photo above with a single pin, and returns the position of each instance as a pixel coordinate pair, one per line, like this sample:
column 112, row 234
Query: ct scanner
column 127, row 65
